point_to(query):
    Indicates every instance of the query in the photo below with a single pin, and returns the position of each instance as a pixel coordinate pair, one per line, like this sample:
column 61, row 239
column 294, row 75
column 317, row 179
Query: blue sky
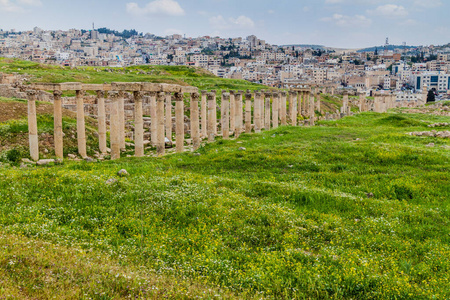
column 336, row 23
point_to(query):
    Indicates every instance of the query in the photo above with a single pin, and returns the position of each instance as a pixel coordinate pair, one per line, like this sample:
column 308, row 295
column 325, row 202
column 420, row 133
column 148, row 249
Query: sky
column 333, row 23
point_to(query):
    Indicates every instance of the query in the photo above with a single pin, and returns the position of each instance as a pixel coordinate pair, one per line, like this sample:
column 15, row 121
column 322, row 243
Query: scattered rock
column 370, row 195
column 72, row 156
column 197, row 154
column 290, row 166
column 44, row 162
column 89, row 160
column 46, row 151
column 430, row 145
column 242, row 149
column 122, row 173
column 27, row 161
column 111, row 181
column 24, row 166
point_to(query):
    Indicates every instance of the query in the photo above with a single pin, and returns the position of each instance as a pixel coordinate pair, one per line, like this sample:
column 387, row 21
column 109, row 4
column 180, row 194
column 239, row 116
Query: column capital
column 258, row 94
column 80, row 93
column 138, row 96
column 31, row 93
column 161, row 96
column 211, row 96
column 226, row 96
column 179, row 96
column 195, row 96
column 203, row 92
column 114, row 96
column 57, row 94
column 121, row 94
column 232, row 92
column 283, row 94
column 152, row 94
column 101, row 94
column 248, row 96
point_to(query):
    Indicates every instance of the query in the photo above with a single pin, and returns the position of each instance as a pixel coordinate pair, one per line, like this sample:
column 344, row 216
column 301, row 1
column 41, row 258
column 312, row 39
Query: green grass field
column 349, row 209
column 197, row 77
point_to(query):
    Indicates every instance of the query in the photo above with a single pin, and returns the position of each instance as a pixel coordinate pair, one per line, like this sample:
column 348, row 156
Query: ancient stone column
column 81, row 129
column 32, row 126
column 195, row 125
column 237, row 114
column 160, row 140
column 115, row 127
column 248, row 112
column 225, row 116
column 257, row 112
column 311, row 110
column 204, row 113
column 138, row 125
column 153, row 118
column 58, row 131
column 179, row 121
column 239, row 117
column 122, row 120
column 232, row 111
column 215, row 110
column 376, row 103
column 101, row 122
column 345, row 103
column 283, row 109
column 292, row 97
column 361, row 102
column 211, row 112
column 267, row 111
column 275, row 106
column 300, row 103
column 318, row 102
column 169, row 116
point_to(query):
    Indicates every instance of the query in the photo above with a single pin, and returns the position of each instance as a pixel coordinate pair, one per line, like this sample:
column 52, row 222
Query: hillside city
column 405, row 70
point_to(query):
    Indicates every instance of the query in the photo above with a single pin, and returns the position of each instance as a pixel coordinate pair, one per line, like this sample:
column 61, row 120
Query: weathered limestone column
column 169, row 116
column 204, row 113
column 293, row 96
column 211, row 112
column 225, row 116
column 81, row 129
column 101, row 122
column 122, row 119
column 32, row 126
column 160, row 140
column 267, row 111
column 283, row 109
column 195, row 123
column 138, row 125
column 300, row 103
column 215, row 110
column 114, row 128
column 153, row 118
column 311, row 110
column 248, row 112
column 238, row 114
column 275, row 108
column 232, row 111
column 179, row 122
column 376, row 103
column 58, row 131
column 257, row 112
column 318, row 101
column 345, row 102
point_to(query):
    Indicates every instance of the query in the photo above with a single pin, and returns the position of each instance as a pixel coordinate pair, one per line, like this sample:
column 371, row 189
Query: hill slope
column 348, row 209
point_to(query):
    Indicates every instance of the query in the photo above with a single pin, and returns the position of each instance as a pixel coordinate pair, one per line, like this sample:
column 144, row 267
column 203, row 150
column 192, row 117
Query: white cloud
column 271, row 11
column 17, row 6
column 241, row 22
column 347, row 21
column 428, row 3
column 30, row 2
column 157, row 7
column 390, row 11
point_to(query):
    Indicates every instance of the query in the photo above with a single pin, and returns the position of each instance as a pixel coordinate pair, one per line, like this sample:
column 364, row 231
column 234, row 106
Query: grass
column 182, row 75
column 350, row 209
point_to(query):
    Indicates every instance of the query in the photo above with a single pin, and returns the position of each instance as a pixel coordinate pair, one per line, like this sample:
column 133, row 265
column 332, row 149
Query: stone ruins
column 160, row 108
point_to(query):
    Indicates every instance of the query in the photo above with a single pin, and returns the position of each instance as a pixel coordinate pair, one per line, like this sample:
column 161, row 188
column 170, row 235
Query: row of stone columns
column 240, row 112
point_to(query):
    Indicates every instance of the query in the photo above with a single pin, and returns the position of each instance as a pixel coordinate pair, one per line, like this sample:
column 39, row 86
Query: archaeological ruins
column 148, row 113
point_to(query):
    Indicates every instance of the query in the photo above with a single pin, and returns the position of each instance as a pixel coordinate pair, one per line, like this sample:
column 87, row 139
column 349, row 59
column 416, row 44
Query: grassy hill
column 158, row 74
column 349, row 209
